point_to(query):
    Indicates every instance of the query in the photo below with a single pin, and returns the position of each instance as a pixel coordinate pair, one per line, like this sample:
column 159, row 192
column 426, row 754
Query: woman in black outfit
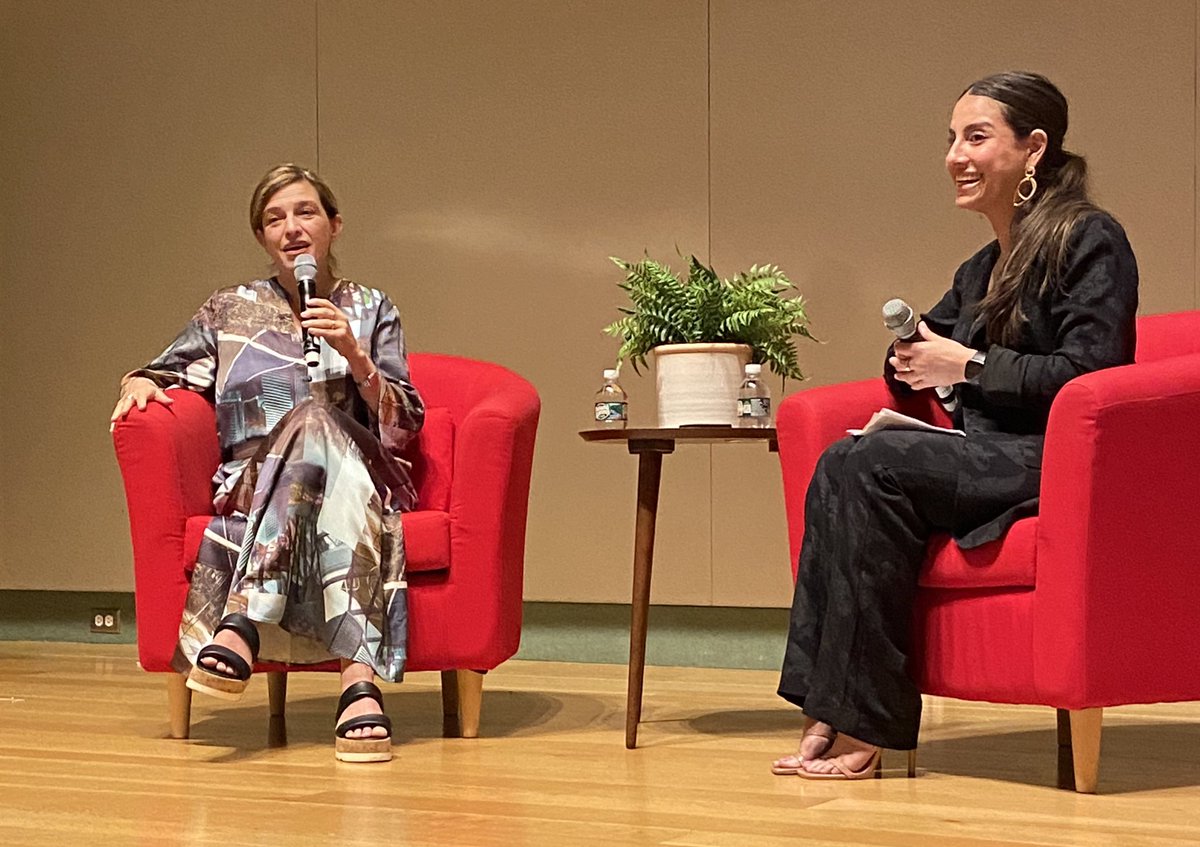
column 1053, row 297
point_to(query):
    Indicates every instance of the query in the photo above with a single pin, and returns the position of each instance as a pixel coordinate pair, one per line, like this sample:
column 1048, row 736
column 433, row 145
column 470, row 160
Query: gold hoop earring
column 1026, row 188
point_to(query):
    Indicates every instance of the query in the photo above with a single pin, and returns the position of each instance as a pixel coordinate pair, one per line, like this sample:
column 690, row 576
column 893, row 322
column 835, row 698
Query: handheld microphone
column 305, row 269
column 900, row 318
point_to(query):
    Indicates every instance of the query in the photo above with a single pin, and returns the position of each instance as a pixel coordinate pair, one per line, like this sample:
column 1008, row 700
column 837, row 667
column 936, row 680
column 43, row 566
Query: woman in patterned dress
column 304, row 559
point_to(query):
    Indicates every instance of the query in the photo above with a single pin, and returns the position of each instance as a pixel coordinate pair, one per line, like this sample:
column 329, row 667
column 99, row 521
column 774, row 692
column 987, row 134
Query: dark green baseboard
column 681, row 636
column 63, row 616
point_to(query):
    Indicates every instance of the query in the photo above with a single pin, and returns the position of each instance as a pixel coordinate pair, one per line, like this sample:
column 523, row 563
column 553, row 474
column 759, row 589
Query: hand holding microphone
column 305, row 269
column 319, row 318
column 900, row 318
column 924, row 359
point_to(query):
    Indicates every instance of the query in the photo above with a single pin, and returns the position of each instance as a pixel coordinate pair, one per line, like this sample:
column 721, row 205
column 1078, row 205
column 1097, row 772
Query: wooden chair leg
column 1085, row 746
column 450, row 728
column 277, row 692
column 470, row 701
column 1066, row 762
column 277, row 708
column 462, row 698
column 179, row 705
column 912, row 765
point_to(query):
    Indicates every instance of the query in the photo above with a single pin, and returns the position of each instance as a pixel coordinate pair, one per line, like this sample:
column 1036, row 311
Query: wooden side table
column 650, row 444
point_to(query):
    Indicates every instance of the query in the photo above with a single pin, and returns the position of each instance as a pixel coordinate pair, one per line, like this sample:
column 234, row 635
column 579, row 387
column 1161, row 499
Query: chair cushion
column 432, row 457
column 1008, row 562
column 193, row 534
column 426, row 539
column 427, row 531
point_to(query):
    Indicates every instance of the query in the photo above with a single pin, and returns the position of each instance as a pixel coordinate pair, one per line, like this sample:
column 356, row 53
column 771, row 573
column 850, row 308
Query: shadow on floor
column 1134, row 756
column 416, row 716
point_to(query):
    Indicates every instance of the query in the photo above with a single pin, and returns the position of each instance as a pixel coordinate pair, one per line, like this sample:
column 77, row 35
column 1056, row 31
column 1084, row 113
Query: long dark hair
column 1042, row 226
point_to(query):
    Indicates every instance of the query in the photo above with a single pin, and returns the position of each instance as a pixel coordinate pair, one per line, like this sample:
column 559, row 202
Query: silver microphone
column 305, row 269
column 900, row 318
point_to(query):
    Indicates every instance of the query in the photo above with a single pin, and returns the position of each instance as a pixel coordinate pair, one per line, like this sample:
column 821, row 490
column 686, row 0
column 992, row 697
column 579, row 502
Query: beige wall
column 488, row 157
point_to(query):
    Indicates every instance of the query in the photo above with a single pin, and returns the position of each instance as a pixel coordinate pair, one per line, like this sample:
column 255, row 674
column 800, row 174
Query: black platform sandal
column 231, row 684
column 362, row 749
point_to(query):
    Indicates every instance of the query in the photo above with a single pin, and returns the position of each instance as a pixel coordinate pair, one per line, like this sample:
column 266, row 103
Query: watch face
column 974, row 367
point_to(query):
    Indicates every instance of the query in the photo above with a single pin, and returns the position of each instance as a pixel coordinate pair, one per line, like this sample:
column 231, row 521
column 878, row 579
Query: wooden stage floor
column 84, row 761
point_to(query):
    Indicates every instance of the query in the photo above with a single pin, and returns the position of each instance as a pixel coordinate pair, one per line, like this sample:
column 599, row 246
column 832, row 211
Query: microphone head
column 305, row 267
column 899, row 317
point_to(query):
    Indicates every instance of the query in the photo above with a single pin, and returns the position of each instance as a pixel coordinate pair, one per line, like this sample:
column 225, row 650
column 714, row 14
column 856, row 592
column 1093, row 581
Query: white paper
column 889, row 419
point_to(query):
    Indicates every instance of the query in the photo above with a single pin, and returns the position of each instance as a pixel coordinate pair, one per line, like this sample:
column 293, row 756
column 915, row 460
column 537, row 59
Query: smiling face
column 295, row 222
column 986, row 160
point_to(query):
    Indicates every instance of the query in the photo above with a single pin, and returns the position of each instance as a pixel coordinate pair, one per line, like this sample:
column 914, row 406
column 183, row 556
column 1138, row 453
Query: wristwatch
column 975, row 364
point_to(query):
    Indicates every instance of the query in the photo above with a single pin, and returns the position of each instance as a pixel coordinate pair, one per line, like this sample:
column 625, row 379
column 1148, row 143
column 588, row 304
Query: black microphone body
column 306, row 287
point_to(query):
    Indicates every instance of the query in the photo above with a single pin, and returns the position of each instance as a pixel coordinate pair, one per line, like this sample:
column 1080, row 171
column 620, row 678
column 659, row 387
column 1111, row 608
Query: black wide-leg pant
column 872, row 505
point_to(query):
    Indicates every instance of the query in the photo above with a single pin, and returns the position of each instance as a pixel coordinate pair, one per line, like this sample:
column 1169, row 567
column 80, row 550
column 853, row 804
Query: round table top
column 694, row 434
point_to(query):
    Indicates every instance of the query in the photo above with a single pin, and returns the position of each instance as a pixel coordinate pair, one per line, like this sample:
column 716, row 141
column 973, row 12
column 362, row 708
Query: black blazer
column 1085, row 323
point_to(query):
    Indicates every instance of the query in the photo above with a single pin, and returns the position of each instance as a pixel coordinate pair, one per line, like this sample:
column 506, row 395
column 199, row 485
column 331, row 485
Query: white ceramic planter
column 698, row 383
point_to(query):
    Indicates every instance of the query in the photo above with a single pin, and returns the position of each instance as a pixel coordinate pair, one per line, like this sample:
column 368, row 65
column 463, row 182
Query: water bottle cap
column 610, row 373
column 753, row 370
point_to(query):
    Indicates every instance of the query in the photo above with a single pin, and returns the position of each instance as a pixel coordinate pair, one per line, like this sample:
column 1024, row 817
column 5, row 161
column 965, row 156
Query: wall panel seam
column 712, row 492
column 317, row 79
column 708, row 119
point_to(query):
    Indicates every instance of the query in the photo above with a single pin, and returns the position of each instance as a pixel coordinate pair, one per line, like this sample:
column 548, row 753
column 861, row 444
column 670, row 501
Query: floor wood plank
column 84, row 759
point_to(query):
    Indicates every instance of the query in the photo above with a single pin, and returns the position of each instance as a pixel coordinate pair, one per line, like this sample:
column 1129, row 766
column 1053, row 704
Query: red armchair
column 465, row 545
column 1093, row 602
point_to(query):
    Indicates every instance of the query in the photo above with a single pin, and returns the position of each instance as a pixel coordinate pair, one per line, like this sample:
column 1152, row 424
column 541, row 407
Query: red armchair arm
column 167, row 455
column 809, row 421
column 488, row 521
column 489, row 496
column 806, row 424
column 1117, row 588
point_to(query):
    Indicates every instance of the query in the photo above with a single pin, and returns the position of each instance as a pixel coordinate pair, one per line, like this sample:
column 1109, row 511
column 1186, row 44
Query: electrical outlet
column 106, row 620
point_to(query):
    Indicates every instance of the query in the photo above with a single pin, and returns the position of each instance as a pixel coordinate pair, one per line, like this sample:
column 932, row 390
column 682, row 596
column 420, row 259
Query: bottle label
column 611, row 411
column 754, row 407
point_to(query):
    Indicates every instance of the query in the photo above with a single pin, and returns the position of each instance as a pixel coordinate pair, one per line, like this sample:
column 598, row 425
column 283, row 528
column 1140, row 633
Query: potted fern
column 704, row 330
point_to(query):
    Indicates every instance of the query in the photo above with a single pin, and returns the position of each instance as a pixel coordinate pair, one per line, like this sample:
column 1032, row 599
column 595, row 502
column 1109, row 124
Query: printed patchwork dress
column 307, row 538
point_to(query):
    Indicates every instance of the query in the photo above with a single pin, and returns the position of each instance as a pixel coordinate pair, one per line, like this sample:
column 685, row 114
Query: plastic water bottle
column 612, row 405
column 754, row 400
